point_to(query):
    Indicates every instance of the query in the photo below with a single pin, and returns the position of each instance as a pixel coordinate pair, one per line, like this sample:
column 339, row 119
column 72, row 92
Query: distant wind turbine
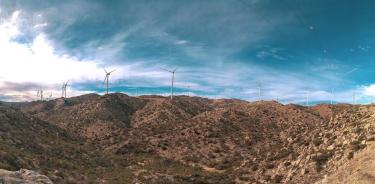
column 40, row 94
column 260, row 91
column 307, row 99
column 136, row 90
column 354, row 100
column 106, row 79
column 172, row 72
column 62, row 89
column 332, row 96
column 188, row 90
column 64, row 86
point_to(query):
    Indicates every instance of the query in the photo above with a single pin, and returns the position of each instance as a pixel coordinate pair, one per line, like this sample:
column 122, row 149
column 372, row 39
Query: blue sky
column 222, row 48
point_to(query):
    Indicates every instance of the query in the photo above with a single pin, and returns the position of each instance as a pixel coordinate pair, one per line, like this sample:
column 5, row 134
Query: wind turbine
column 259, row 91
column 62, row 89
column 106, row 79
column 307, row 99
column 64, row 86
column 136, row 90
column 332, row 96
column 172, row 72
column 188, row 90
column 40, row 94
column 354, row 100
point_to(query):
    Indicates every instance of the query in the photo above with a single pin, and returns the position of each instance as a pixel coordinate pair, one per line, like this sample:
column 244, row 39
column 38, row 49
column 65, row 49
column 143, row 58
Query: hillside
column 65, row 157
column 360, row 169
column 208, row 140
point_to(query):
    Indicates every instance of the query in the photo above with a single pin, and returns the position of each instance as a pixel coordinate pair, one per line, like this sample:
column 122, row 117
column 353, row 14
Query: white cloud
column 273, row 53
column 369, row 90
column 37, row 62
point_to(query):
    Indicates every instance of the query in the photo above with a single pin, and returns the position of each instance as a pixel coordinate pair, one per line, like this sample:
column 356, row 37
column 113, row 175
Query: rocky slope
column 31, row 143
column 23, row 176
column 261, row 142
column 360, row 169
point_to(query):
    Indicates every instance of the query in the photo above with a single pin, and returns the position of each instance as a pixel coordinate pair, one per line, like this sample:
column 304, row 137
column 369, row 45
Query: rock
column 245, row 177
column 290, row 140
column 331, row 147
column 371, row 138
column 23, row 176
column 345, row 142
column 304, row 171
column 277, row 178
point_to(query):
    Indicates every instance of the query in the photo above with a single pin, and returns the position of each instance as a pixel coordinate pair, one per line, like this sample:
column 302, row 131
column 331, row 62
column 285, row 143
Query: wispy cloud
column 37, row 62
column 273, row 53
column 41, row 47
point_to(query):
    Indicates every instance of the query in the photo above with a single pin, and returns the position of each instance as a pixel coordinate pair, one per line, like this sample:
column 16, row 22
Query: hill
column 209, row 140
column 65, row 157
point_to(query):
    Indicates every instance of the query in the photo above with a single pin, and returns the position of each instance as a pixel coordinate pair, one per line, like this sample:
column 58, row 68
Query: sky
column 289, row 49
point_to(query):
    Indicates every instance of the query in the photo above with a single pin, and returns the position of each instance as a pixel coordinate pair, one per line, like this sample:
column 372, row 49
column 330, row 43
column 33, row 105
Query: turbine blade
column 166, row 70
column 112, row 71
column 105, row 70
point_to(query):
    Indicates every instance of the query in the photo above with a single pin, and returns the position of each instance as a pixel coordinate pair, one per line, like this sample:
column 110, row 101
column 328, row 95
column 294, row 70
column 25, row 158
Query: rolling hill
column 192, row 139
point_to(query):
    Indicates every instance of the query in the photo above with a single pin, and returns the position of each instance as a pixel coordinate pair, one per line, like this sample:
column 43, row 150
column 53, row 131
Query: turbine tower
column 354, row 100
column 332, row 96
column 66, row 85
column 106, row 79
column 259, row 91
column 62, row 89
column 172, row 85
